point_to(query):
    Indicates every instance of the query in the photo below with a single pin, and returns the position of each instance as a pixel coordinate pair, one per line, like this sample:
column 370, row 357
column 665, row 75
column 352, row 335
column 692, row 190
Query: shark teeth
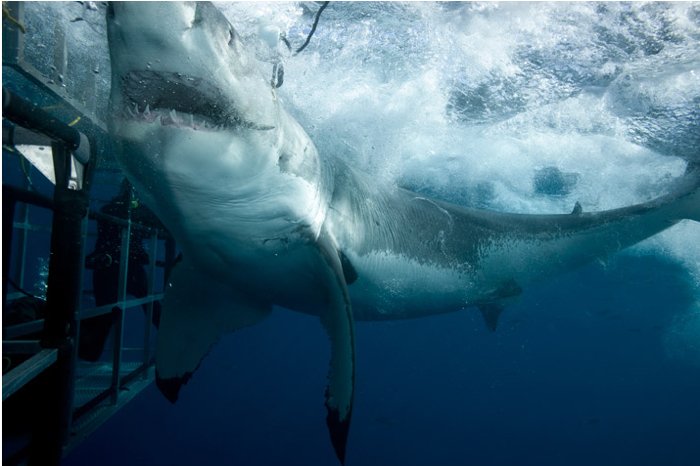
column 170, row 118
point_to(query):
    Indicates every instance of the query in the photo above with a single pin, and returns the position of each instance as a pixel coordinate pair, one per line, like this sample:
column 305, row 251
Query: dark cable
column 284, row 39
column 313, row 28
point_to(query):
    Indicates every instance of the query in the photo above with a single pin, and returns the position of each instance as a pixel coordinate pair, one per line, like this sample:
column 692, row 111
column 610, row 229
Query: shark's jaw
column 181, row 101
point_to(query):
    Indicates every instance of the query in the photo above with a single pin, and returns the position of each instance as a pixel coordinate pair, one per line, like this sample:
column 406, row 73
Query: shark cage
column 83, row 269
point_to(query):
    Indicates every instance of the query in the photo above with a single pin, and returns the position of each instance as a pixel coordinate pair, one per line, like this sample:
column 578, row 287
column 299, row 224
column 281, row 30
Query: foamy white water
column 469, row 102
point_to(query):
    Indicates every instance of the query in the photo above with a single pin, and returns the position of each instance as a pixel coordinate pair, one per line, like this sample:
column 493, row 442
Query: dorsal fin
column 578, row 210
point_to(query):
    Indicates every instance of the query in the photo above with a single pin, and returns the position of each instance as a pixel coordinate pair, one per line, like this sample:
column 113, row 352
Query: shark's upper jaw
column 174, row 99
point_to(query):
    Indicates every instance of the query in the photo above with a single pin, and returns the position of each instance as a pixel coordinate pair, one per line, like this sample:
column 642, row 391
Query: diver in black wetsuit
column 104, row 261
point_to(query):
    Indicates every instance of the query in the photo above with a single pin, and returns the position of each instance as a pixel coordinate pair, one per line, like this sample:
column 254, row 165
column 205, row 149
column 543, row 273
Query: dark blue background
column 577, row 374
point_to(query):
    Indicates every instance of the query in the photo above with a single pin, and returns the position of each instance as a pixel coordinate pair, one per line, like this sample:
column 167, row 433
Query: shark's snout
column 184, row 67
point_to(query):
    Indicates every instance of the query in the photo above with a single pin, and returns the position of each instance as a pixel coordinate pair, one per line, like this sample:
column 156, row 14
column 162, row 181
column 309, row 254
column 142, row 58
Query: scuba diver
column 104, row 262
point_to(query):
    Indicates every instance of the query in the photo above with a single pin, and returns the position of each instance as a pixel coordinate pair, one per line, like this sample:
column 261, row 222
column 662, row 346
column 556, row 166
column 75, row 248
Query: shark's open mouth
column 178, row 100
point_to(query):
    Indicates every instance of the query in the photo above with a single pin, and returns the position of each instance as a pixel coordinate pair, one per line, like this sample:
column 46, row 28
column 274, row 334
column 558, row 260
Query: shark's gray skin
column 264, row 221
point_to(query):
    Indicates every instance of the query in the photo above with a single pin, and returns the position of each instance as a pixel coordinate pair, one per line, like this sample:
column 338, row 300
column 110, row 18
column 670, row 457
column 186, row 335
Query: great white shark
column 264, row 220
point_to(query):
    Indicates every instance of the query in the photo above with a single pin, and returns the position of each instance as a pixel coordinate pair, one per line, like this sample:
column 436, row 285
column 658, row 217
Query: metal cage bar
column 64, row 424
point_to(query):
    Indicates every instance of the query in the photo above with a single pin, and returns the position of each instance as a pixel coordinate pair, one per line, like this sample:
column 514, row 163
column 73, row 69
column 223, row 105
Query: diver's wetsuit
column 104, row 261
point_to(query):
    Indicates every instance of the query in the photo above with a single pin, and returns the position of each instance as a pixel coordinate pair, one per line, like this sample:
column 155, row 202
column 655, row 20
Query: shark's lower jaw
column 173, row 99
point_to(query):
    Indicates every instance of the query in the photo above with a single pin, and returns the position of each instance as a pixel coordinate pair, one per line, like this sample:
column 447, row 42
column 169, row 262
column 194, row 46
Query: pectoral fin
column 491, row 306
column 491, row 312
column 338, row 321
column 196, row 312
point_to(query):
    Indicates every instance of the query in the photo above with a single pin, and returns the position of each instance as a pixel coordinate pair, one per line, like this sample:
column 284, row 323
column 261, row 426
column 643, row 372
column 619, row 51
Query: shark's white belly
column 392, row 286
column 248, row 232
column 265, row 258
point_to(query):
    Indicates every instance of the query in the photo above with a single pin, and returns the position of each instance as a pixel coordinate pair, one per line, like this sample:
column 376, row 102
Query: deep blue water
column 577, row 374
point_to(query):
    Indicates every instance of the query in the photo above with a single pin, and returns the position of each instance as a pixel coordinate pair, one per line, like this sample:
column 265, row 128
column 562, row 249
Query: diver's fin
column 338, row 321
column 196, row 312
column 491, row 312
